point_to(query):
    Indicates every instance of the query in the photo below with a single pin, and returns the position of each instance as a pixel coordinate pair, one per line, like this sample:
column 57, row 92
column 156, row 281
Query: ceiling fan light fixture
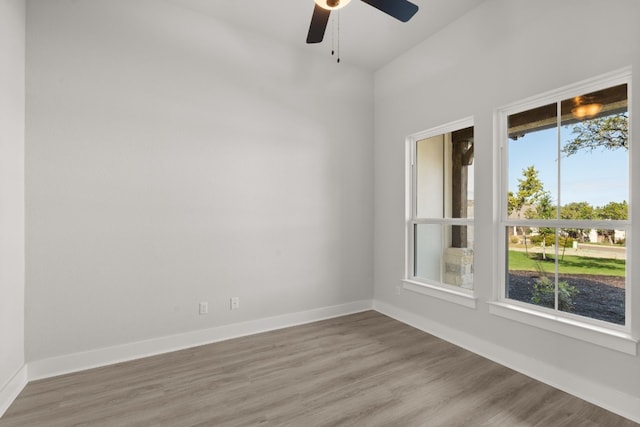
column 585, row 110
column 332, row 4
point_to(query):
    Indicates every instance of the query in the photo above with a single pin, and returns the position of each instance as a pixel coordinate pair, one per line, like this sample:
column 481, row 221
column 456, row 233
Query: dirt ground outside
column 599, row 297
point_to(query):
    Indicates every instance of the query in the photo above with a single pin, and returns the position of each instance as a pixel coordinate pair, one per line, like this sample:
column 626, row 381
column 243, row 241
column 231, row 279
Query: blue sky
column 597, row 177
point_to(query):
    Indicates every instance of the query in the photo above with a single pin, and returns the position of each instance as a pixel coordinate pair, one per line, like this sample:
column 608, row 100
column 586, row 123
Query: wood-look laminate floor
column 359, row 370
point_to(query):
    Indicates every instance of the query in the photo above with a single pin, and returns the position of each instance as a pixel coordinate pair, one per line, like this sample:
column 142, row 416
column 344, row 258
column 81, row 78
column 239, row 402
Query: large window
column 440, row 210
column 565, row 199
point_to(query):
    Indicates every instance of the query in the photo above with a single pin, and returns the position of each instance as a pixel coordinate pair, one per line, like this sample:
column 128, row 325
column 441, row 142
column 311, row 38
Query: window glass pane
column 458, row 260
column 430, row 185
column 428, row 241
column 531, row 266
column 532, row 163
column 461, row 172
column 591, row 279
column 594, row 155
column 444, row 175
column 590, row 272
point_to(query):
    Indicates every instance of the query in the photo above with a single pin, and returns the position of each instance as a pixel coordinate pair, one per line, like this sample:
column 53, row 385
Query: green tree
column 577, row 211
column 612, row 211
column 544, row 292
column 610, row 132
column 543, row 208
column 530, row 190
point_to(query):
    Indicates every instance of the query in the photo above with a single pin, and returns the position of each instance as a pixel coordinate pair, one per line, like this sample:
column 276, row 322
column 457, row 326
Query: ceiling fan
column 402, row 10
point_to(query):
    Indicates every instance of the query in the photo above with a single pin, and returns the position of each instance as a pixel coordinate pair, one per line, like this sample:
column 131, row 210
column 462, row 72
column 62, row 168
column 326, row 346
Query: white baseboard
column 75, row 362
column 608, row 398
column 12, row 389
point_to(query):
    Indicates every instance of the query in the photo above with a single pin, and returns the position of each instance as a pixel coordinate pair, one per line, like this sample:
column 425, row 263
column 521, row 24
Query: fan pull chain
column 338, row 37
column 333, row 34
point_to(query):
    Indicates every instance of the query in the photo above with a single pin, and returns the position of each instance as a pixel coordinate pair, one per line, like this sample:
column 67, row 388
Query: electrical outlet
column 398, row 289
column 203, row 308
column 235, row 303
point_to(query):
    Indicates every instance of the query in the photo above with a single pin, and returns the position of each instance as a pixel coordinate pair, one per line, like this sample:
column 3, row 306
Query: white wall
column 172, row 159
column 12, row 51
column 501, row 52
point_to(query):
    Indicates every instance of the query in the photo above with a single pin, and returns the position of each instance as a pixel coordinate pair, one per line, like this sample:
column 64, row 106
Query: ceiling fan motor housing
column 332, row 4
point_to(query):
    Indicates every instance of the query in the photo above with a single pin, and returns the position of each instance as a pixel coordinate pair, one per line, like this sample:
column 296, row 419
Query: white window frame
column 598, row 332
column 436, row 289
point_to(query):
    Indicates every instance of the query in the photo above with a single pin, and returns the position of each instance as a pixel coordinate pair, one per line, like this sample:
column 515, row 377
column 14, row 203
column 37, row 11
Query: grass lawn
column 569, row 264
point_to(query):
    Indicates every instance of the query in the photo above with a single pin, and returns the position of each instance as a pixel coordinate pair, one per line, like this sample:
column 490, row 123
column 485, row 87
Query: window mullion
column 559, row 201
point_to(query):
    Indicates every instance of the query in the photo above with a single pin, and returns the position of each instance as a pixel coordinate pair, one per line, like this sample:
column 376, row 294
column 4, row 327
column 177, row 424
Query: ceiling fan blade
column 402, row 10
column 319, row 21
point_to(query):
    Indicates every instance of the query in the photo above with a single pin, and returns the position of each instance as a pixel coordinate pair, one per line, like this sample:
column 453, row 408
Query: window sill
column 460, row 297
column 604, row 337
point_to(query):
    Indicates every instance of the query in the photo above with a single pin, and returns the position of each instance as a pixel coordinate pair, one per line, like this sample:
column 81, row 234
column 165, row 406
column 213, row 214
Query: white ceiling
column 368, row 37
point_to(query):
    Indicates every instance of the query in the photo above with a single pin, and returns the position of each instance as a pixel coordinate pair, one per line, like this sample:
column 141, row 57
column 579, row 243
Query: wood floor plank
column 359, row 370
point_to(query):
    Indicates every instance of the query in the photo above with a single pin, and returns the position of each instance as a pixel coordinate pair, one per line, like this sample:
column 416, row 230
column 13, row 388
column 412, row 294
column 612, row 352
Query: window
column 564, row 210
column 440, row 212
